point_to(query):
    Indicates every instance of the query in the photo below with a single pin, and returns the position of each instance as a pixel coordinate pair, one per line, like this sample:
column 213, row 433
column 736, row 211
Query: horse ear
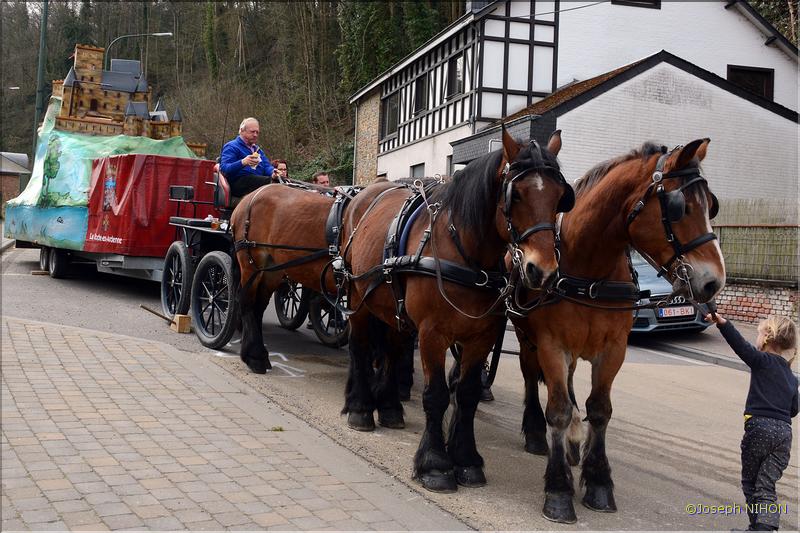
column 554, row 144
column 688, row 152
column 510, row 146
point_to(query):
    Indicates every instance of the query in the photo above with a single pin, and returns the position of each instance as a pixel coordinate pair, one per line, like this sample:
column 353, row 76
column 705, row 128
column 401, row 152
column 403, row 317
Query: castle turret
column 68, row 89
column 176, row 124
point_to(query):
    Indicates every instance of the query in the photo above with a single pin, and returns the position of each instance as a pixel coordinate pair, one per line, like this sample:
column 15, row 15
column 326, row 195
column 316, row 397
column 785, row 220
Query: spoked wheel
column 44, row 258
column 176, row 280
column 213, row 301
column 331, row 327
column 291, row 304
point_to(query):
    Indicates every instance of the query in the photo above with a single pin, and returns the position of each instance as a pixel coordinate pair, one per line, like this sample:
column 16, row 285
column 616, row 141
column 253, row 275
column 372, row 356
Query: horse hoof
column 486, row 394
column 438, row 481
column 258, row 366
column 470, row 476
column 536, row 444
column 600, row 498
column 361, row 421
column 573, row 453
column 558, row 508
column 391, row 419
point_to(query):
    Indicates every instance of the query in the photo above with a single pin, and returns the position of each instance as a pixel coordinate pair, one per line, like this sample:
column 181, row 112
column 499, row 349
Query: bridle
column 673, row 208
column 566, row 202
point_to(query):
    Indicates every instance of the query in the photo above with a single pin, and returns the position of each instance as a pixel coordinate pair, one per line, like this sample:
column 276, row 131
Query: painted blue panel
column 59, row 227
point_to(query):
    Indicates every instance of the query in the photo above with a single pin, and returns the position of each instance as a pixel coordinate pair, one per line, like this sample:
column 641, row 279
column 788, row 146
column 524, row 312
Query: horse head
column 678, row 201
column 531, row 190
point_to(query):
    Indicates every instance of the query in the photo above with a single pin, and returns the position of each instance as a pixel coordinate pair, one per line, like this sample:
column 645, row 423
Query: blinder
column 676, row 202
column 673, row 208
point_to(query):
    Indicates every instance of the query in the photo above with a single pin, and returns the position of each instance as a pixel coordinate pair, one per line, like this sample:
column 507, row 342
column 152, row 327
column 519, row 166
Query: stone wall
column 367, row 136
column 9, row 188
column 750, row 302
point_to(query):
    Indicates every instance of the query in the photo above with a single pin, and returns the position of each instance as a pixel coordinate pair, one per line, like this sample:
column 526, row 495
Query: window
column 455, row 75
column 417, row 171
column 449, row 165
column 421, row 94
column 390, row 114
column 93, row 105
column 759, row 81
column 654, row 4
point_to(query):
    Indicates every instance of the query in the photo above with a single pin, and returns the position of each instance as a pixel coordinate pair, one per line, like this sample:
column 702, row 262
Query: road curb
column 6, row 245
column 699, row 355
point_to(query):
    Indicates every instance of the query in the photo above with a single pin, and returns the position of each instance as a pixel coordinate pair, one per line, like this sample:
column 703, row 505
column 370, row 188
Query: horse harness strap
column 599, row 289
column 673, row 206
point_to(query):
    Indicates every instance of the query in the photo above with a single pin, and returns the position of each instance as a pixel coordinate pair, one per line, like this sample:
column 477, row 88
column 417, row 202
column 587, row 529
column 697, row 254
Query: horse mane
column 600, row 171
column 472, row 194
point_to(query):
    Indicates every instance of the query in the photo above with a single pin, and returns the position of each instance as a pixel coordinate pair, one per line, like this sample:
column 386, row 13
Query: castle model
column 112, row 102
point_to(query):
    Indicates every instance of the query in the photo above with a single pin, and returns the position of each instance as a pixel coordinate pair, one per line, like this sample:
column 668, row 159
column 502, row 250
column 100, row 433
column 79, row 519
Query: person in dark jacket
column 243, row 163
column 772, row 402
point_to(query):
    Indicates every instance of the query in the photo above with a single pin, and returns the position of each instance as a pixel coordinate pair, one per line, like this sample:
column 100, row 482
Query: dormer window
column 760, row 81
column 653, row 4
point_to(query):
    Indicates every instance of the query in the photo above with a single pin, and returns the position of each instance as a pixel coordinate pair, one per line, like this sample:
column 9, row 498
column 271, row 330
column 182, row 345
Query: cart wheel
column 291, row 304
column 44, row 258
column 176, row 280
column 214, row 308
column 58, row 263
column 329, row 324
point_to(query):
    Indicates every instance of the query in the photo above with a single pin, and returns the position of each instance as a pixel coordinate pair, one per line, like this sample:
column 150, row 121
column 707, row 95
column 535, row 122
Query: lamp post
column 159, row 34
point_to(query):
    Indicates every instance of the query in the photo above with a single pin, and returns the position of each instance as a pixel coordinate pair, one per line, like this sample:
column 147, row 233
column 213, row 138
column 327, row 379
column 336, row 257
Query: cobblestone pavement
column 102, row 431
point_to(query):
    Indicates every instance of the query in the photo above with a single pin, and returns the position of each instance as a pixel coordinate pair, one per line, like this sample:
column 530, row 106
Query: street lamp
column 159, row 34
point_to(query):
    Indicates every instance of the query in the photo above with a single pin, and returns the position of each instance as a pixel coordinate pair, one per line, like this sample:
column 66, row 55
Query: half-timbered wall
column 517, row 61
column 441, row 111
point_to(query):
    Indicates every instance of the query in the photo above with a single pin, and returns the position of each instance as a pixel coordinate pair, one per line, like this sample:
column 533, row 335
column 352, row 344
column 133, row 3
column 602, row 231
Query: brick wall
column 367, row 131
column 750, row 302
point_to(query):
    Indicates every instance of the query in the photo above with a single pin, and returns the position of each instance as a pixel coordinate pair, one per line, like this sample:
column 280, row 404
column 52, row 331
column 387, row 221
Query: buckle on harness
column 485, row 279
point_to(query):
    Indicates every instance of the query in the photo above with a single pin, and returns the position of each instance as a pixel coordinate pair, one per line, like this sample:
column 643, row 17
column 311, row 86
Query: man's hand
column 252, row 160
column 716, row 318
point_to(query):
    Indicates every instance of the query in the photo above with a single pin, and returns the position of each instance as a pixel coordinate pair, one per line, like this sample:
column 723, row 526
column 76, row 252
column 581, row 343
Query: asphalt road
column 673, row 441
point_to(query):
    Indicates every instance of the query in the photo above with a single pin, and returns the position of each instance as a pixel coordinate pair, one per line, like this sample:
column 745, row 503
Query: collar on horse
column 673, row 205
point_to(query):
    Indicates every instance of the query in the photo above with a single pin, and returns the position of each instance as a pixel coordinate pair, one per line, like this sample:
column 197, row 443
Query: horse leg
column 252, row 303
column 432, row 465
column 468, row 463
column 575, row 432
column 596, row 473
column 359, row 400
column 534, row 425
column 558, row 484
column 392, row 348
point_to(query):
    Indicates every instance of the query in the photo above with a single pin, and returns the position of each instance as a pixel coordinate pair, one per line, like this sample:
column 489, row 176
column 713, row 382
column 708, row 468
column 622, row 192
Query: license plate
column 667, row 312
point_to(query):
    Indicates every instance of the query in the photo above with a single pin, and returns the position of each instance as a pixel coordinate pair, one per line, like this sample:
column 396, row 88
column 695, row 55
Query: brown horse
column 470, row 222
column 292, row 222
column 659, row 204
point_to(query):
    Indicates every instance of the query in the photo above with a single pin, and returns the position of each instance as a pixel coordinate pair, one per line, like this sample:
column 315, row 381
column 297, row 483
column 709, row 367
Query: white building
column 504, row 56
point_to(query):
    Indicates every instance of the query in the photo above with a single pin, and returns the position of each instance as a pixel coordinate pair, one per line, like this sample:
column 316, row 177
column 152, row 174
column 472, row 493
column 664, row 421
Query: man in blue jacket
column 243, row 163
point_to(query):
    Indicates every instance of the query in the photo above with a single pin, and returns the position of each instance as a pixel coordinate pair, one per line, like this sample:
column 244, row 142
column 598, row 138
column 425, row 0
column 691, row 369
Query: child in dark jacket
column 772, row 402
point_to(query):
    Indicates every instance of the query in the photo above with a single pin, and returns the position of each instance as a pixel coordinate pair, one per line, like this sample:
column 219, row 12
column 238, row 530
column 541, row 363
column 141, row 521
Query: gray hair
column 245, row 122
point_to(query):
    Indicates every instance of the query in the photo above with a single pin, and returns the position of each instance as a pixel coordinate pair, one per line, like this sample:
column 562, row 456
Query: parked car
column 678, row 314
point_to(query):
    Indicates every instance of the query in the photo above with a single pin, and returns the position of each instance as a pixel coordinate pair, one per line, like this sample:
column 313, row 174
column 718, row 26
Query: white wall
column 433, row 152
column 602, row 37
column 753, row 152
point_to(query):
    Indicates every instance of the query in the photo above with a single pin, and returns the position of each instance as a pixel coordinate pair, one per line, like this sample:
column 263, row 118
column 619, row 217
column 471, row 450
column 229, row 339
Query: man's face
column 250, row 133
column 323, row 179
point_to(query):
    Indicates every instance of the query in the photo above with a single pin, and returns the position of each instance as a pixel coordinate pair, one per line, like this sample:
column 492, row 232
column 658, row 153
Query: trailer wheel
column 44, row 258
column 58, row 263
column 291, row 304
column 215, row 312
column 331, row 327
column 176, row 280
